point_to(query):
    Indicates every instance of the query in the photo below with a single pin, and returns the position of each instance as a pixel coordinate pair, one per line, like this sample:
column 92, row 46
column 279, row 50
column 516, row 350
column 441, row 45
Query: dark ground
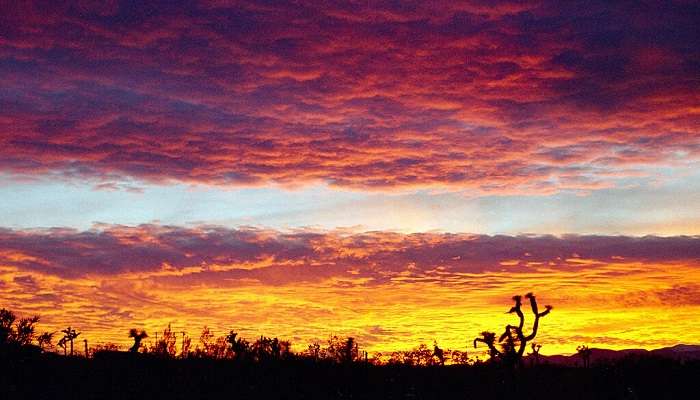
column 123, row 376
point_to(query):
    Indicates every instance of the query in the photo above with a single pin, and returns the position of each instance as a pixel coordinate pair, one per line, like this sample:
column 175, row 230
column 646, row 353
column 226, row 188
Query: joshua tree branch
column 492, row 348
column 506, row 333
column 513, row 340
column 517, row 310
column 536, row 323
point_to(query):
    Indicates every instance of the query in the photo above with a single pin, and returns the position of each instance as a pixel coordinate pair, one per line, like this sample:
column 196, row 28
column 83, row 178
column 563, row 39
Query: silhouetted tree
column 166, row 345
column 513, row 341
column 418, row 356
column 45, row 339
column 439, row 353
column 489, row 339
column 314, row 351
column 69, row 335
column 585, row 353
column 63, row 343
column 186, row 344
column 239, row 346
column 16, row 332
column 339, row 350
column 266, row 349
column 7, row 319
column 138, row 336
column 24, row 332
column 333, row 350
column 535, row 352
column 207, row 340
column 110, row 347
column 212, row 346
column 459, row 357
column 349, row 351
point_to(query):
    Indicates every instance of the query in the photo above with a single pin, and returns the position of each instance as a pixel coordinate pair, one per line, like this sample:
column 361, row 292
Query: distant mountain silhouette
column 679, row 352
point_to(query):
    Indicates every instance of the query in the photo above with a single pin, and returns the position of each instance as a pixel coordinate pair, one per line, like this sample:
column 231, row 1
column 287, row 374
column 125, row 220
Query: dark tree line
column 170, row 344
column 171, row 364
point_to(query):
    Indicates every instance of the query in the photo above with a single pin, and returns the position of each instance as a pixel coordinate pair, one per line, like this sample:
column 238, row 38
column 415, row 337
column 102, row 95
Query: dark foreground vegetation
column 113, row 375
column 232, row 367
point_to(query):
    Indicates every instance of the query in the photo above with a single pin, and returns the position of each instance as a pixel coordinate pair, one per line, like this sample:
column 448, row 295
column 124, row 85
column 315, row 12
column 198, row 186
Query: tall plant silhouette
column 7, row 319
column 513, row 341
column 167, row 344
column 585, row 353
column 24, row 332
column 535, row 352
column 69, row 334
column 18, row 332
column 62, row 343
column 239, row 346
column 350, row 351
column 341, row 351
column 138, row 336
column 270, row 349
column 439, row 353
column 45, row 339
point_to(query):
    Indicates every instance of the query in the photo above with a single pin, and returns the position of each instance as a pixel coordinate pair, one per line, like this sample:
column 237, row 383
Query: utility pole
column 87, row 355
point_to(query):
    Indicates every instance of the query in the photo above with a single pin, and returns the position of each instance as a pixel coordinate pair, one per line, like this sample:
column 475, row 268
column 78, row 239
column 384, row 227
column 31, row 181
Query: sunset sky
column 389, row 170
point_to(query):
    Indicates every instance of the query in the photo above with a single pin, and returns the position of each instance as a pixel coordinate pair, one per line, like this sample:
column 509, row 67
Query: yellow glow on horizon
column 591, row 306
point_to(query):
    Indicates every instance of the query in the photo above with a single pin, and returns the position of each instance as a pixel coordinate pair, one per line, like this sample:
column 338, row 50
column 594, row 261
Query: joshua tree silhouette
column 585, row 353
column 69, row 335
column 138, row 336
column 513, row 341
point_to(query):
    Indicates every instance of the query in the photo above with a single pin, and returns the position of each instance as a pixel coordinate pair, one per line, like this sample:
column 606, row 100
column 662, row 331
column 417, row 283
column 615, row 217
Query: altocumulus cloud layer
column 537, row 96
column 390, row 290
column 274, row 257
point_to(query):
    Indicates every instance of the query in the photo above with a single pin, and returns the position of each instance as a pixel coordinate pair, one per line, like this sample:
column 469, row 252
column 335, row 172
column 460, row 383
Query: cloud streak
column 257, row 253
column 503, row 98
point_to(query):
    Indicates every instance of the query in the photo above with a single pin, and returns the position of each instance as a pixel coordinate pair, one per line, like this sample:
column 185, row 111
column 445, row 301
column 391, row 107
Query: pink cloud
column 211, row 253
column 503, row 97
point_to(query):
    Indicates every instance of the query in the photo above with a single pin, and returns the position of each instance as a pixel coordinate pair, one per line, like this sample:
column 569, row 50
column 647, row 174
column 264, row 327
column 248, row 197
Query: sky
column 393, row 171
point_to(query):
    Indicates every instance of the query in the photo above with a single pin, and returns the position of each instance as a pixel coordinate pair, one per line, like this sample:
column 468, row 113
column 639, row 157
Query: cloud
column 389, row 290
column 275, row 257
column 501, row 98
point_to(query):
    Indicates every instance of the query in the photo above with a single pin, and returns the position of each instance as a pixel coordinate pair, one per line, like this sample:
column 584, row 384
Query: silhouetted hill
column 680, row 352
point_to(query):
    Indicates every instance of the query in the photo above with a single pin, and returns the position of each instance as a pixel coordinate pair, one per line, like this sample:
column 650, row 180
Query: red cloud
column 505, row 97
